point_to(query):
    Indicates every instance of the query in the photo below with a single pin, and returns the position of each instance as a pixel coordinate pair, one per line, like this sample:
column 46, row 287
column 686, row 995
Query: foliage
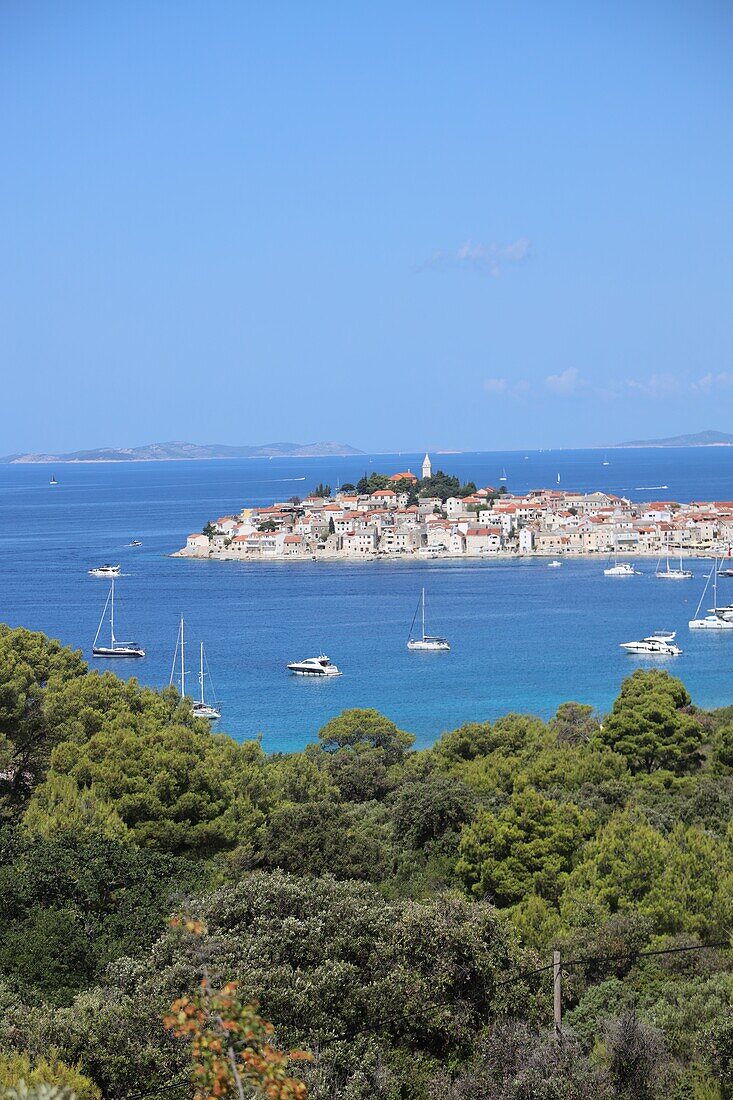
column 49, row 1070
column 650, row 726
column 69, row 905
column 527, row 846
column 231, row 1045
column 350, row 889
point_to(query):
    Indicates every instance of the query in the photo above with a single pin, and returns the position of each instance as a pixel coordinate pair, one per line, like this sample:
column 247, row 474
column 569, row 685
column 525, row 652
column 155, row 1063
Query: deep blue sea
column 524, row 637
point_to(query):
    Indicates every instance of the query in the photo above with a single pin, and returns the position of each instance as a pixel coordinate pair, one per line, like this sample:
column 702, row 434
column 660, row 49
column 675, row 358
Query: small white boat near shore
column 621, row 569
column 555, row 564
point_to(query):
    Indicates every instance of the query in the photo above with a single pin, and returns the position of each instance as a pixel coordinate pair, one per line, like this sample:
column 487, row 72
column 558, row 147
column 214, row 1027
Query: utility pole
column 557, row 991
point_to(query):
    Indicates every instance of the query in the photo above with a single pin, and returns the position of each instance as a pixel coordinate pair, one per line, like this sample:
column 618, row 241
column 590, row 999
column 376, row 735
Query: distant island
column 697, row 439
column 182, row 452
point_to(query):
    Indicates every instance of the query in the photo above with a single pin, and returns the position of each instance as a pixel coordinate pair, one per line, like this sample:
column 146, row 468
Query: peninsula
column 434, row 516
column 697, row 439
column 177, row 451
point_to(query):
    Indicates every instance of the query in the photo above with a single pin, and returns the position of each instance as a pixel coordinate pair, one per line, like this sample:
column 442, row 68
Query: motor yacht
column 107, row 571
column 314, row 666
column 660, row 644
column 135, row 542
column 554, row 564
column 621, row 569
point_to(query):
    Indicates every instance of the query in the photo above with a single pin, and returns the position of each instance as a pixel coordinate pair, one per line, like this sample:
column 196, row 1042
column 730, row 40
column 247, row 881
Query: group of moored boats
column 429, row 643
column 116, row 649
column 662, row 643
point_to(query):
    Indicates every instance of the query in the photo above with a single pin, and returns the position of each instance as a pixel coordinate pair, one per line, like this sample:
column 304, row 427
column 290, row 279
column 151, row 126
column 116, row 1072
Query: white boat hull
column 429, row 646
column 318, row 673
column 203, row 710
column 120, row 651
column 710, row 622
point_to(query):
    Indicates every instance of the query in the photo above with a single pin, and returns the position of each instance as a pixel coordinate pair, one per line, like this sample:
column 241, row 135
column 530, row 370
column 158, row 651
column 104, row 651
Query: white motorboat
column 200, row 707
column 659, row 644
column 115, row 648
column 135, row 542
column 621, row 569
column 716, row 619
column 426, row 642
column 554, row 564
column 108, row 571
column 315, row 666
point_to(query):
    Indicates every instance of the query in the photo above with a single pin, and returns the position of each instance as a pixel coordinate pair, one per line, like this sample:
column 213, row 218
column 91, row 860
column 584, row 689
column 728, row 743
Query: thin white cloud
column 486, row 258
column 568, row 381
column 710, row 382
column 496, row 385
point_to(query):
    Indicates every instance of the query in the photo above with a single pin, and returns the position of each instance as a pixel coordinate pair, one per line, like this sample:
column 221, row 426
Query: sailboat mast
column 201, row 674
column 423, row 614
column 183, row 664
column 112, row 615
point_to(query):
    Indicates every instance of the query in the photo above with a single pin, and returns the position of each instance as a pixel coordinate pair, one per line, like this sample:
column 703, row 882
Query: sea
column 524, row 638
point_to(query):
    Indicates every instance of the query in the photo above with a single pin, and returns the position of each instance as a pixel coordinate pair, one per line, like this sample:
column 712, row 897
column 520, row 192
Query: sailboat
column 605, row 462
column 503, row 476
column 53, row 480
column 716, row 620
column 672, row 574
column 115, row 648
column 558, row 479
column 200, row 707
column 425, row 641
column 727, row 572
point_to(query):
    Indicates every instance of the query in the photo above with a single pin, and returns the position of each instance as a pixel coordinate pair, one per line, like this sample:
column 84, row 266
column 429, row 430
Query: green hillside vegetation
column 386, row 908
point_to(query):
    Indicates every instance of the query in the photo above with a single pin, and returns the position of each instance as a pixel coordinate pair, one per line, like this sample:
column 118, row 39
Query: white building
column 427, row 467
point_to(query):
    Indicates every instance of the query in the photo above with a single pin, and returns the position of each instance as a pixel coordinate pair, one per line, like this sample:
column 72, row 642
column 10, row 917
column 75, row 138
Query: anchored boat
column 315, row 666
column 200, row 707
column 425, row 641
column 115, row 648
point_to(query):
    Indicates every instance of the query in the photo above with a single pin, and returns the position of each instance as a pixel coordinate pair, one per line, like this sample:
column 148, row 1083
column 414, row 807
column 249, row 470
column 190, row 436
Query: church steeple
column 427, row 467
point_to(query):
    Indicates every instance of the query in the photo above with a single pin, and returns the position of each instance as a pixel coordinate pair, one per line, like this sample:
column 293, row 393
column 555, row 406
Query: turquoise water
column 524, row 637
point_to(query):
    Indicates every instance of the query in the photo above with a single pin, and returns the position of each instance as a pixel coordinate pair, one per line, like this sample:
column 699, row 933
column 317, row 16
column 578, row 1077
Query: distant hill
column 181, row 452
column 698, row 439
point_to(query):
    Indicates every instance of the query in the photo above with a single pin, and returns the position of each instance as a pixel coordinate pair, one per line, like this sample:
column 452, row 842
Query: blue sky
column 464, row 225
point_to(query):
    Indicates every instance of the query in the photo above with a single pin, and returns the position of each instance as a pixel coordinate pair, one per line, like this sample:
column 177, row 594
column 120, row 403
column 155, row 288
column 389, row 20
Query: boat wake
column 642, row 488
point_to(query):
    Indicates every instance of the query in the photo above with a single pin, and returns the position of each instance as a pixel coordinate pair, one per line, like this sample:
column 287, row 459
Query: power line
column 156, row 1092
column 613, row 958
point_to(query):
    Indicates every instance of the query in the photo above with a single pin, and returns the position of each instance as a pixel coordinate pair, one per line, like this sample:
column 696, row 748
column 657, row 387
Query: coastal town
column 403, row 514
